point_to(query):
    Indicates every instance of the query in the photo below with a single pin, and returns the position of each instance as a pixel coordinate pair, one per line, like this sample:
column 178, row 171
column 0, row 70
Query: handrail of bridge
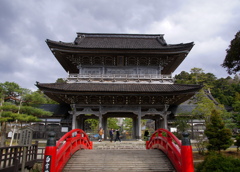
column 179, row 153
column 58, row 154
column 12, row 157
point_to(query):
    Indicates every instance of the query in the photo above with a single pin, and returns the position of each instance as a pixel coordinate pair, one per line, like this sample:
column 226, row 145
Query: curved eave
column 54, row 90
column 94, row 88
column 61, row 50
column 74, row 48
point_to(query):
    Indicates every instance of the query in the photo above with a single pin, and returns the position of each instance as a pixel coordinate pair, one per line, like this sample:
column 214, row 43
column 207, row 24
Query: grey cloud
column 25, row 25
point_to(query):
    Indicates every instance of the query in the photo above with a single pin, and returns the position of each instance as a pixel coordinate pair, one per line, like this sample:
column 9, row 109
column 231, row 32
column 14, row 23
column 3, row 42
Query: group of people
column 111, row 135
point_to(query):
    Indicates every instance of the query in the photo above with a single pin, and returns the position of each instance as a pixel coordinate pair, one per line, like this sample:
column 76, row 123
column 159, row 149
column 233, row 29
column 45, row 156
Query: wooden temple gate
column 119, row 75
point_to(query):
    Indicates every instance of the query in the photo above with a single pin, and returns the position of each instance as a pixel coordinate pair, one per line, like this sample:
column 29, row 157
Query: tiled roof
column 120, row 41
column 109, row 87
column 56, row 109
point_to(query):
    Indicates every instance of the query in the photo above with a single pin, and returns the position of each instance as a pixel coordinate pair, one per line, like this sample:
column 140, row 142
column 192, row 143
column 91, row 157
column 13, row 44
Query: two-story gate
column 119, row 75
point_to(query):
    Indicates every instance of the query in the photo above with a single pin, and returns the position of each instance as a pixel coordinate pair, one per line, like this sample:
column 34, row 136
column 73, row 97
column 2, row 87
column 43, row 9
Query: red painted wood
column 180, row 156
column 187, row 158
column 65, row 147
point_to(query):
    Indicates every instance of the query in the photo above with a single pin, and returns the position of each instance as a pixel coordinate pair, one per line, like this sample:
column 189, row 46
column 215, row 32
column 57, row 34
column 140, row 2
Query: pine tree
column 232, row 59
column 219, row 137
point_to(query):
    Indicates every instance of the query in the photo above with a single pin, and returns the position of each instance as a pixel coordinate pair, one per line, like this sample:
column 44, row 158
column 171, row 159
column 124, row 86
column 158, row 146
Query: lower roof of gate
column 111, row 87
column 70, row 93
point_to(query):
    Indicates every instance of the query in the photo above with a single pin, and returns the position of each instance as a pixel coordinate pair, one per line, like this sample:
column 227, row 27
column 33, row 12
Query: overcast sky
column 25, row 25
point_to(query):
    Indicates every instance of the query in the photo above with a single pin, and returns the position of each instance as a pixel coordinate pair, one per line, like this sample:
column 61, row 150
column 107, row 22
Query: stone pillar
column 74, row 116
column 157, row 124
column 165, row 115
column 139, row 127
column 74, row 121
column 100, row 120
column 80, row 122
column 134, row 127
column 104, row 125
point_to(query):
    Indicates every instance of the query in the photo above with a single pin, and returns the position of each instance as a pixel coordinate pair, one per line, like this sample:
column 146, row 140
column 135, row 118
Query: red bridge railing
column 179, row 153
column 58, row 154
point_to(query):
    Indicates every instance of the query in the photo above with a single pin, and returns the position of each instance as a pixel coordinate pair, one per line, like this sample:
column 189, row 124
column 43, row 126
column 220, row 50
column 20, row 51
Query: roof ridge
column 80, row 34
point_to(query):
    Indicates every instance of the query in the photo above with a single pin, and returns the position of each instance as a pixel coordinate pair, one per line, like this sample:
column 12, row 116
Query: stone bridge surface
column 126, row 156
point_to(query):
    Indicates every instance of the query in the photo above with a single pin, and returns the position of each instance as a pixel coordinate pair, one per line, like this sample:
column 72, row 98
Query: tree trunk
column 3, row 134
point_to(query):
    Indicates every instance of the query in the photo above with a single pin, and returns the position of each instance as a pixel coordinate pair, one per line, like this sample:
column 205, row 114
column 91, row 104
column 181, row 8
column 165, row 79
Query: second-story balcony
column 121, row 78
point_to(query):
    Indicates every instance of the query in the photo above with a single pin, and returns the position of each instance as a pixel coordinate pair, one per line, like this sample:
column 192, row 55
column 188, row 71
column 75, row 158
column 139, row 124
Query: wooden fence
column 12, row 158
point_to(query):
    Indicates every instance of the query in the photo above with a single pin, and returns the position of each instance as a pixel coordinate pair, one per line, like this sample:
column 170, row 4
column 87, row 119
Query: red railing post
column 49, row 163
column 186, row 153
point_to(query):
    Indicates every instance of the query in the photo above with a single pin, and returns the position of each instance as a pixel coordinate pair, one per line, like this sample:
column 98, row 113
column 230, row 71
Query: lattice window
column 97, row 60
column 94, row 99
column 154, row 61
column 109, row 61
column 120, row 100
column 159, row 100
column 86, row 60
column 80, row 99
column 146, row 100
column 143, row 61
column 131, row 61
column 133, row 100
column 107, row 100
column 74, row 60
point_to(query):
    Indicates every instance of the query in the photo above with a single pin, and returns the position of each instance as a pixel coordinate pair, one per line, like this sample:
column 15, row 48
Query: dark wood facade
column 118, row 74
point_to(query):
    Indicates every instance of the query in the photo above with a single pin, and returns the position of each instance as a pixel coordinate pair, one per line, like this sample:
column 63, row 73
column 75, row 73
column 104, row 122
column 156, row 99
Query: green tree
column 183, row 78
column 60, row 80
column 93, row 124
column 182, row 122
column 219, row 137
column 223, row 89
column 112, row 123
column 12, row 109
column 197, row 75
column 232, row 59
column 127, row 124
column 204, row 106
column 236, row 119
column 237, row 143
column 236, row 104
column 35, row 98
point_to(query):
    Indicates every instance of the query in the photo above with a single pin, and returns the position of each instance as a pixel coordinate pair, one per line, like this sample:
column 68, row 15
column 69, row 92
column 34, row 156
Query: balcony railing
column 120, row 78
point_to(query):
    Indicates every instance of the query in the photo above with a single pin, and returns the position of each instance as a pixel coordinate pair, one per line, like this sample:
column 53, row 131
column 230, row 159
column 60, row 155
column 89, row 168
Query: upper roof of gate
column 96, row 49
column 120, row 41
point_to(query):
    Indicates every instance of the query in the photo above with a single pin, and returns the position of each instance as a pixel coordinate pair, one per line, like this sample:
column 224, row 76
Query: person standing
column 100, row 134
column 111, row 135
column 146, row 135
column 117, row 136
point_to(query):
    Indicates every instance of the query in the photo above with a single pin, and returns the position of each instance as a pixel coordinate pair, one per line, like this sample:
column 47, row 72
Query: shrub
column 219, row 163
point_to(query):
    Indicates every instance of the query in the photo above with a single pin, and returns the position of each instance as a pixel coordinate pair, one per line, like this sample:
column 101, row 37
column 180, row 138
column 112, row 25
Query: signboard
column 26, row 137
column 64, row 129
column 47, row 163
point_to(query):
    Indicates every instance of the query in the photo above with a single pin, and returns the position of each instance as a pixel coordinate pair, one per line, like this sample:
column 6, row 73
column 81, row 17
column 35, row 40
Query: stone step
column 119, row 160
column 120, row 145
